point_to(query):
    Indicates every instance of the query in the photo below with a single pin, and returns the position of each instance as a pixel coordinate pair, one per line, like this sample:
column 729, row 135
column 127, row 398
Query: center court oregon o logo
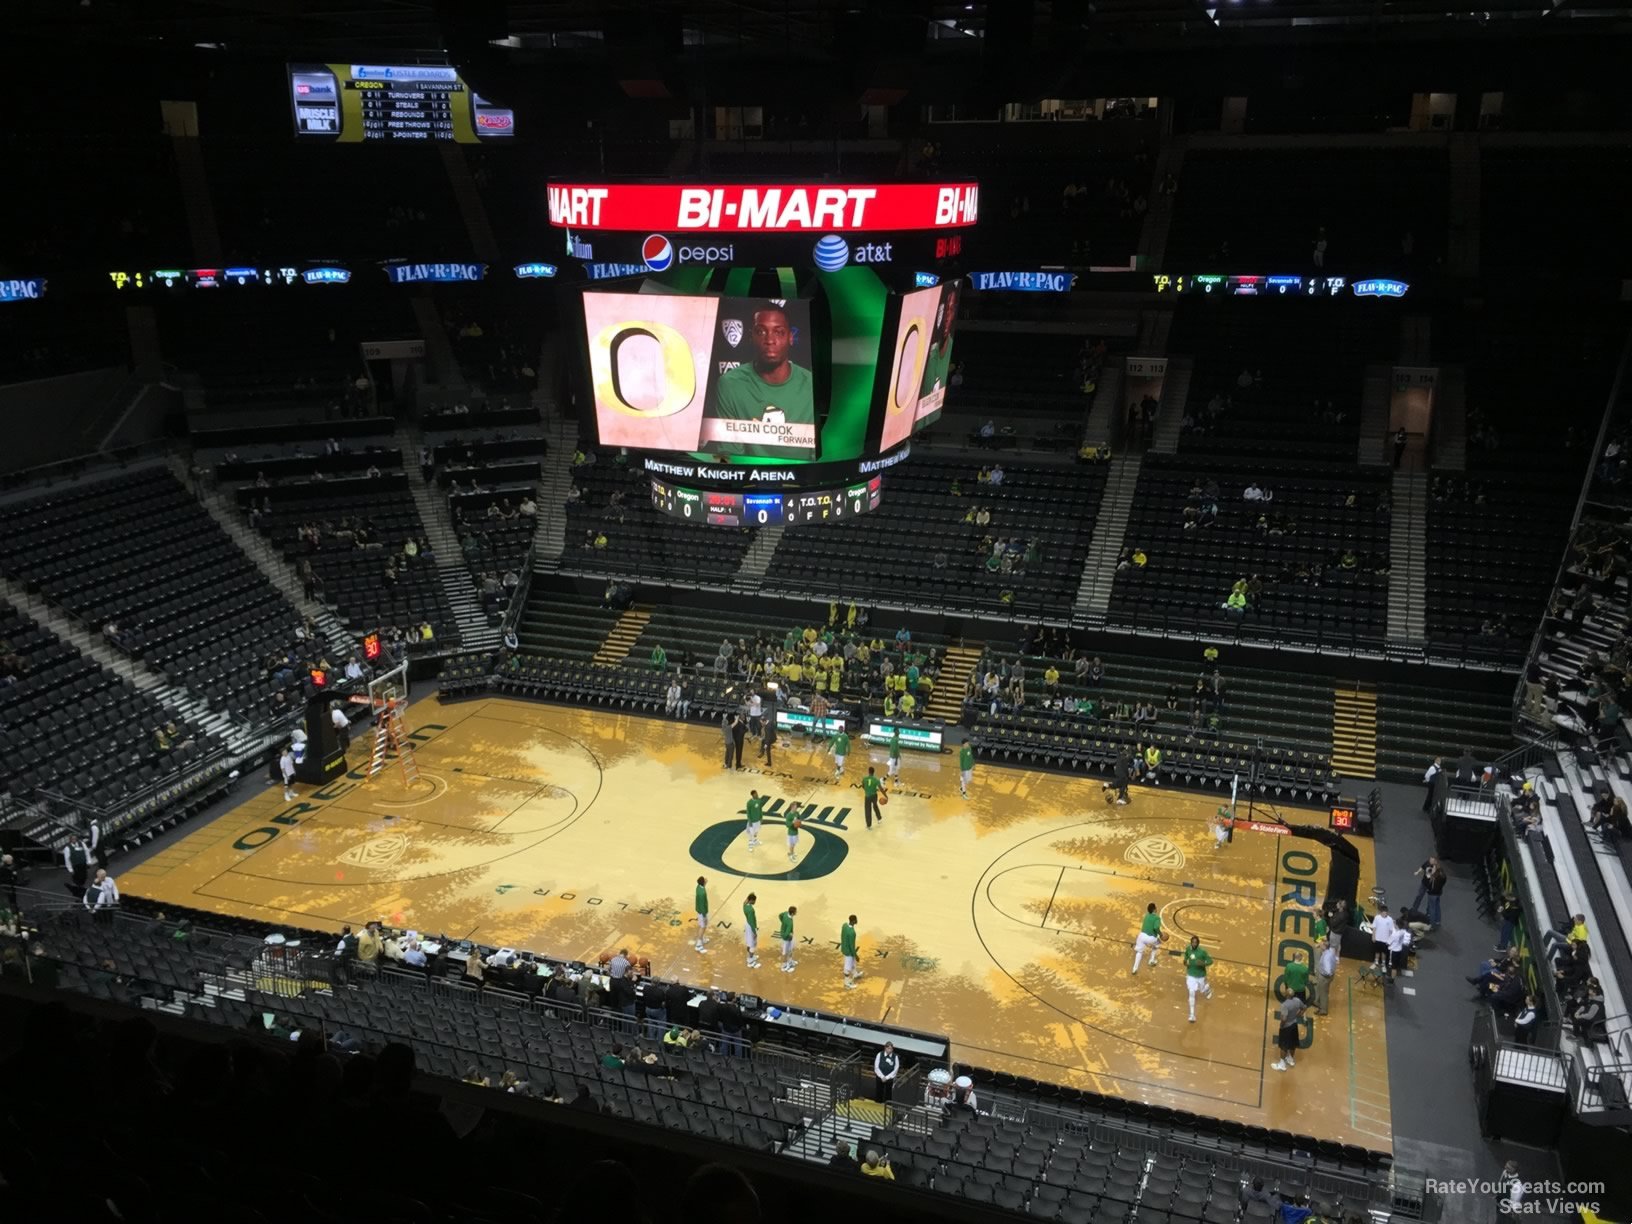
column 826, row 854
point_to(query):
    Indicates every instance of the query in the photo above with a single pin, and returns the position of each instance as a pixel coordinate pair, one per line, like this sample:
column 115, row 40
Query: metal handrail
column 113, row 817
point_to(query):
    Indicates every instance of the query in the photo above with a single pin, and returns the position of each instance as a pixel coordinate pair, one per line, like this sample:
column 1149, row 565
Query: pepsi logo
column 658, row 252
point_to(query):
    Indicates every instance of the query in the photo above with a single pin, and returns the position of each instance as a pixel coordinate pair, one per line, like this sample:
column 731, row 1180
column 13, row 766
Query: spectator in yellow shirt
column 1051, row 677
column 876, row 1166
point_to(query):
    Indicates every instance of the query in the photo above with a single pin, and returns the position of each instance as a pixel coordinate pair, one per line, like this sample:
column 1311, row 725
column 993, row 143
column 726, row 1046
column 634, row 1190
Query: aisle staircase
column 1096, row 431
column 555, row 479
column 615, row 649
column 1110, row 533
column 756, row 561
column 1354, row 730
column 946, row 703
column 1408, row 558
column 220, row 505
column 469, row 612
column 1164, row 438
column 1376, row 392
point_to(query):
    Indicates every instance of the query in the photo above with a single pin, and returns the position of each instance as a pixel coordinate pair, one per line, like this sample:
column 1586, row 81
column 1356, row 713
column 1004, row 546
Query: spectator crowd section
column 613, row 528
column 1017, row 379
column 487, row 465
column 1567, row 810
column 272, row 455
column 1049, row 703
column 1054, row 192
column 136, row 558
column 564, row 624
column 1309, row 563
column 955, row 534
column 1496, row 529
column 1372, row 212
column 371, row 1042
column 712, row 654
column 1417, row 722
column 777, row 645
column 1276, row 380
column 361, row 539
column 496, row 331
column 71, row 727
column 1494, row 537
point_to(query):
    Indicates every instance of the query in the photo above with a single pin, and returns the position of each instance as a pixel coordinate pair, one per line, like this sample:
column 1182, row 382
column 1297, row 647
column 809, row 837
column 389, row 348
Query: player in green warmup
column 755, row 808
column 702, row 913
column 766, row 406
column 750, row 930
column 847, row 947
column 966, row 768
column 894, row 769
column 1150, row 935
column 870, row 786
column 841, row 749
column 1296, row 973
column 785, row 934
column 1196, row 960
column 790, row 819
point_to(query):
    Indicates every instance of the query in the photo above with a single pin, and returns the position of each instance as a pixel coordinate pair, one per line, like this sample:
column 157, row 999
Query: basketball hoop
column 388, row 702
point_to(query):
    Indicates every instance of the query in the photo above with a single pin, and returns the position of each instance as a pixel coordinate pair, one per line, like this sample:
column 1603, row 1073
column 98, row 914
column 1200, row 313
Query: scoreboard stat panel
column 730, row 509
column 354, row 103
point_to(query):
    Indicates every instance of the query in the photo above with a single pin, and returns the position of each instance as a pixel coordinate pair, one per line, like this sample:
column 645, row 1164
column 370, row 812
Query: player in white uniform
column 750, row 930
column 1149, row 937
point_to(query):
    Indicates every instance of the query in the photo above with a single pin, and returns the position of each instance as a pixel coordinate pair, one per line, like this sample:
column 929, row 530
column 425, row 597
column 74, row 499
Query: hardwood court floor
column 1004, row 921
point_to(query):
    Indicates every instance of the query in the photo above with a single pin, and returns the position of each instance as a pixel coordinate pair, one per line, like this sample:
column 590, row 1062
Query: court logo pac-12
column 825, row 854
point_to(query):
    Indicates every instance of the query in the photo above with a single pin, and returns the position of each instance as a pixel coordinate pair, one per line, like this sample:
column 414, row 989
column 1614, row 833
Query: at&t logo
column 833, row 252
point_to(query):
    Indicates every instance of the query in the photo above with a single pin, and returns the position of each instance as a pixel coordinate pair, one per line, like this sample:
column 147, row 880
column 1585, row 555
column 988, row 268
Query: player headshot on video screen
column 767, row 404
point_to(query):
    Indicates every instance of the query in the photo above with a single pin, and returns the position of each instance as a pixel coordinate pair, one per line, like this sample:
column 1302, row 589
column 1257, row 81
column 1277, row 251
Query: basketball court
column 1004, row 922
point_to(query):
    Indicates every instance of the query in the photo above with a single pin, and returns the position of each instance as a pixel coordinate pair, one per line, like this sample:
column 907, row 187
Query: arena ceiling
column 912, row 25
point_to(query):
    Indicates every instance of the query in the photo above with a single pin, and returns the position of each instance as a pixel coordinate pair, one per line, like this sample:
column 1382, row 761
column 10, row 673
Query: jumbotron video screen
column 775, row 356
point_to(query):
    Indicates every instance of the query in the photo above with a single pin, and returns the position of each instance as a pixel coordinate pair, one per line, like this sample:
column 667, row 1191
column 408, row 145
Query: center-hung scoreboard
column 767, row 350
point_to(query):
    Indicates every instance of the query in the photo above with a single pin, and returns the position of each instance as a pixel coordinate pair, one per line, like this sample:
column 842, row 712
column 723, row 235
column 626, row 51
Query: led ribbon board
column 742, row 208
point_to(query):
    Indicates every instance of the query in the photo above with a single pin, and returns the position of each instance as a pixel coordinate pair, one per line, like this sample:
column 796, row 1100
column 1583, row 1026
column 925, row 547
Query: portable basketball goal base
column 388, row 699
